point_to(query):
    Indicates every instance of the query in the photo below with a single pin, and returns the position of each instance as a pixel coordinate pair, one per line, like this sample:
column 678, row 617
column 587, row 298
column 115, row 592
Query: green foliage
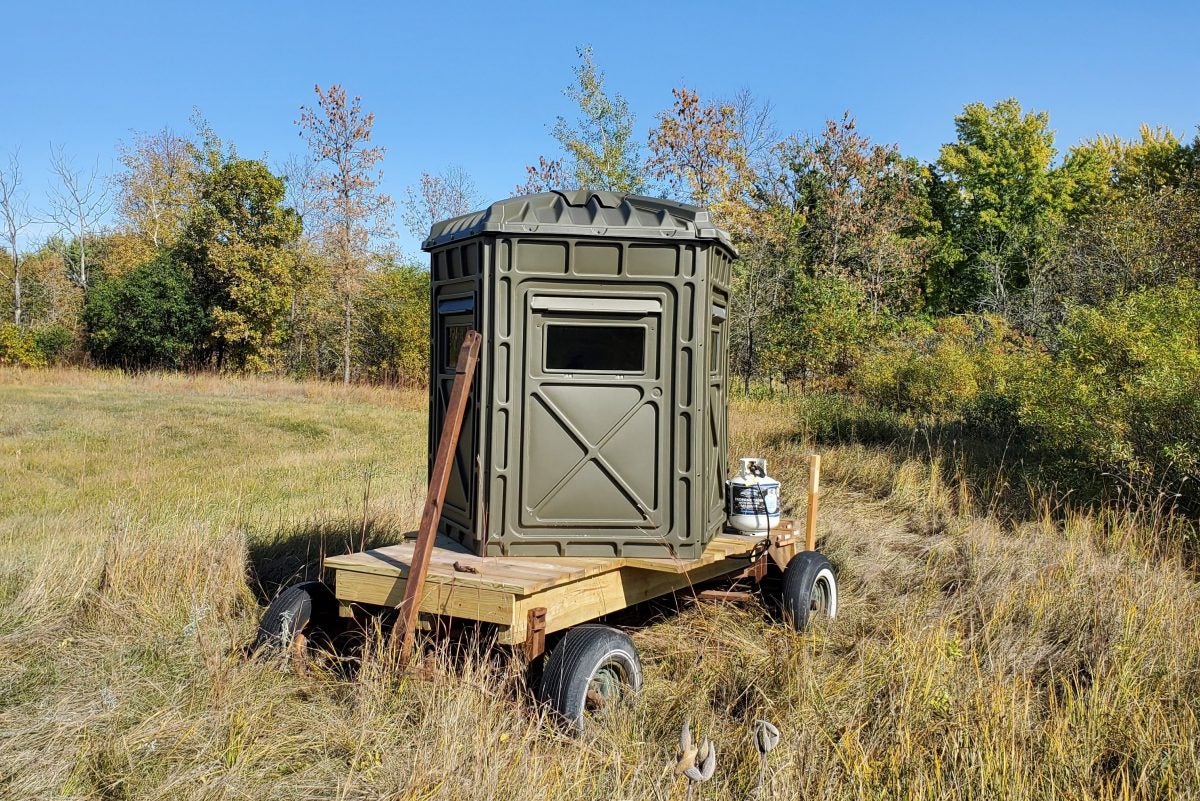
column 1005, row 202
column 1123, row 391
column 820, row 332
column 147, row 317
column 19, row 347
column 600, row 146
column 393, row 342
column 236, row 243
column 957, row 366
column 39, row 346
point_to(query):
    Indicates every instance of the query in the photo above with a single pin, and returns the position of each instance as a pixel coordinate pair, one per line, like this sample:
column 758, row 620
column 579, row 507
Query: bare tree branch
column 78, row 204
column 14, row 217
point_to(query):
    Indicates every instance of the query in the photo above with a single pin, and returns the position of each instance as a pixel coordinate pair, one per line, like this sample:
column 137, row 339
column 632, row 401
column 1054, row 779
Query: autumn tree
column 14, row 218
column 694, row 150
column 78, row 203
column 854, row 204
column 338, row 133
column 236, row 241
column 158, row 185
column 546, row 175
column 601, row 151
column 440, row 196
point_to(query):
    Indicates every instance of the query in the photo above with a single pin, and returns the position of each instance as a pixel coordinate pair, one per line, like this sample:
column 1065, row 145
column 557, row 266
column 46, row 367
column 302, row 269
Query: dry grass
column 1033, row 660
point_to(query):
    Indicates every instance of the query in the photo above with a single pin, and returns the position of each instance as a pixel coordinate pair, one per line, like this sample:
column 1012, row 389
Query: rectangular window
column 455, row 334
column 596, row 348
column 714, row 351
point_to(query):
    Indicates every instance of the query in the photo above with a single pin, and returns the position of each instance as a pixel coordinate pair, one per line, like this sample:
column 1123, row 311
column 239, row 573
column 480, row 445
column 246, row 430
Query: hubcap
column 818, row 599
column 605, row 687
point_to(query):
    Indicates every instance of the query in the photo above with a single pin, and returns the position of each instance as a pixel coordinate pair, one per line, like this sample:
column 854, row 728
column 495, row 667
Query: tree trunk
column 749, row 355
column 346, row 343
column 16, row 292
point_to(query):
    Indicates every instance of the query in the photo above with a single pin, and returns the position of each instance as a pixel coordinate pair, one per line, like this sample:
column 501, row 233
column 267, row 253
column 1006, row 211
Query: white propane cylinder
column 752, row 498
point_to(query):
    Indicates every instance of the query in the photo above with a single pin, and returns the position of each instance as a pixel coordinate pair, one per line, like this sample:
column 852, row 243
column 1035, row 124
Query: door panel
column 595, row 418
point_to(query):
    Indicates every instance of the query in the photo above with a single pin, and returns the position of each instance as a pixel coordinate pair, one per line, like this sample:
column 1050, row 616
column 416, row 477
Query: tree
column 158, row 185
column 237, row 242
column 694, row 150
column 450, row 193
column 601, row 150
column 78, row 205
column 14, row 218
column 338, row 134
column 148, row 317
column 546, row 176
column 857, row 218
column 394, row 332
column 1007, row 200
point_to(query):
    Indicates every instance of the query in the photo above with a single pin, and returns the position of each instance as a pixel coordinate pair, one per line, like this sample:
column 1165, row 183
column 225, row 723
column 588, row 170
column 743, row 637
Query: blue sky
column 478, row 84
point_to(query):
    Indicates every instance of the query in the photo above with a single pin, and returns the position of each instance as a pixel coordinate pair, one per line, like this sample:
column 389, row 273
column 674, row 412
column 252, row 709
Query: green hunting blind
column 597, row 422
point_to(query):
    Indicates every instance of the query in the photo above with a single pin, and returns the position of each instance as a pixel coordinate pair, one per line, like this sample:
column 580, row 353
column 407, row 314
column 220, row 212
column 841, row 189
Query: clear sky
column 478, row 84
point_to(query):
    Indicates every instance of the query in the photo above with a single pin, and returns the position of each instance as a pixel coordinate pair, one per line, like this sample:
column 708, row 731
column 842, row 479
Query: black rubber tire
column 809, row 590
column 308, row 608
column 582, row 657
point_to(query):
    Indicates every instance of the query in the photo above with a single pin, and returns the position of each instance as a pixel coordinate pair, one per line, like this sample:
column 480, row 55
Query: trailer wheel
column 591, row 668
column 301, row 613
column 809, row 590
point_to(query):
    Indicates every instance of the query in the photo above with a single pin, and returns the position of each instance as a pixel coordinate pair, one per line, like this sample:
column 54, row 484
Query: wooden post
column 814, row 489
column 439, row 477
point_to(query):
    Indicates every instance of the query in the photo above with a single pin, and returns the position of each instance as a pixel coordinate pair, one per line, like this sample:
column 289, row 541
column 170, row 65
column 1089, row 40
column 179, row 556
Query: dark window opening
column 714, row 351
column 455, row 334
column 596, row 348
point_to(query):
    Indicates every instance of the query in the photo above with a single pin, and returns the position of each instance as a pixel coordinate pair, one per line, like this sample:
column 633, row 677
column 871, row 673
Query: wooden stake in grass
column 814, row 488
column 439, row 477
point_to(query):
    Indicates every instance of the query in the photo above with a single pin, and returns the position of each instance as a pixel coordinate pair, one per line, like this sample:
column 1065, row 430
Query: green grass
column 142, row 521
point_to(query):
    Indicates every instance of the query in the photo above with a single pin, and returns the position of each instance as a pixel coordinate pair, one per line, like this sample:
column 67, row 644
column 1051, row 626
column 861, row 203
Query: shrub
column 147, row 317
column 19, row 347
column 1123, row 390
column 961, row 366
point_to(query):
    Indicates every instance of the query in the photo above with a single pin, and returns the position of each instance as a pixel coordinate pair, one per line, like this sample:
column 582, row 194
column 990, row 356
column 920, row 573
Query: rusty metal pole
column 814, row 489
column 439, row 477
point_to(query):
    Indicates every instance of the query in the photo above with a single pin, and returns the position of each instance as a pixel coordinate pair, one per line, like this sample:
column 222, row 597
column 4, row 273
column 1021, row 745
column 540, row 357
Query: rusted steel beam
column 439, row 477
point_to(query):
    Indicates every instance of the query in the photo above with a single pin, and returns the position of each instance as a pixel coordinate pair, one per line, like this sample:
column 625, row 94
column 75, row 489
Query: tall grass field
column 145, row 521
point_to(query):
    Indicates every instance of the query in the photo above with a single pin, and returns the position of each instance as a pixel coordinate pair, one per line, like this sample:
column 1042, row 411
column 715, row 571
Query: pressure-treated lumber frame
column 511, row 592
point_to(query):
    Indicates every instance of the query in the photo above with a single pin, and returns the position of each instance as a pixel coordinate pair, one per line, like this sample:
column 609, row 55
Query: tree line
column 1006, row 283
column 1046, row 301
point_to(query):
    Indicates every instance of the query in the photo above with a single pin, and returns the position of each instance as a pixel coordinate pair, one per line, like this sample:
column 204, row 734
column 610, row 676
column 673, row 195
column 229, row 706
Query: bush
column 393, row 342
column 963, row 366
column 1123, row 390
column 19, row 347
column 147, row 317
column 34, row 347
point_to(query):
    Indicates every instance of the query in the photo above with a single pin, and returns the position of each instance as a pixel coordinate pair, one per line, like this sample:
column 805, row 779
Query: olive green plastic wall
column 567, row 462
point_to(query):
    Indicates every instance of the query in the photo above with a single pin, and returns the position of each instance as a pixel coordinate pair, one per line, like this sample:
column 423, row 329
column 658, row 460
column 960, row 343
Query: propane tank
column 752, row 498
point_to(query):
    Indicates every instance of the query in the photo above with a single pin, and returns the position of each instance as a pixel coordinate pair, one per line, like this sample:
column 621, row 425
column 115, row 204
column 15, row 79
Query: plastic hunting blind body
column 597, row 422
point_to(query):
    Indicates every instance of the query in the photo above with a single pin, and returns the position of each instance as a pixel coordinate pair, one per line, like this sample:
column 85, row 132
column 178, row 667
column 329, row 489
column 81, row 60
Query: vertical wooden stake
column 439, row 477
column 814, row 489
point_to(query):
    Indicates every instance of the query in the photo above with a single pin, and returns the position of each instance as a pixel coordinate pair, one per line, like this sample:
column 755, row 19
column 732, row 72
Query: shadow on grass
column 988, row 455
column 295, row 553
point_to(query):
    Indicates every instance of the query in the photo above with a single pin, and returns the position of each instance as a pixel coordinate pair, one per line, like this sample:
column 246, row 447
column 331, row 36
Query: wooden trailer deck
column 527, row 597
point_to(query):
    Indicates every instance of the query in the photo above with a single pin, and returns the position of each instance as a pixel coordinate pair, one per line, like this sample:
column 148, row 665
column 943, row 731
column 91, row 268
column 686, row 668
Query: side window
column 595, row 348
column 455, row 334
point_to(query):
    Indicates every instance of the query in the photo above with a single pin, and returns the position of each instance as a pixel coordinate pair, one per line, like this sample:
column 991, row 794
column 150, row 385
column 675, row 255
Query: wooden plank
column 814, row 489
column 589, row 598
column 520, row 575
column 443, row 462
column 461, row 601
column 723, row 546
